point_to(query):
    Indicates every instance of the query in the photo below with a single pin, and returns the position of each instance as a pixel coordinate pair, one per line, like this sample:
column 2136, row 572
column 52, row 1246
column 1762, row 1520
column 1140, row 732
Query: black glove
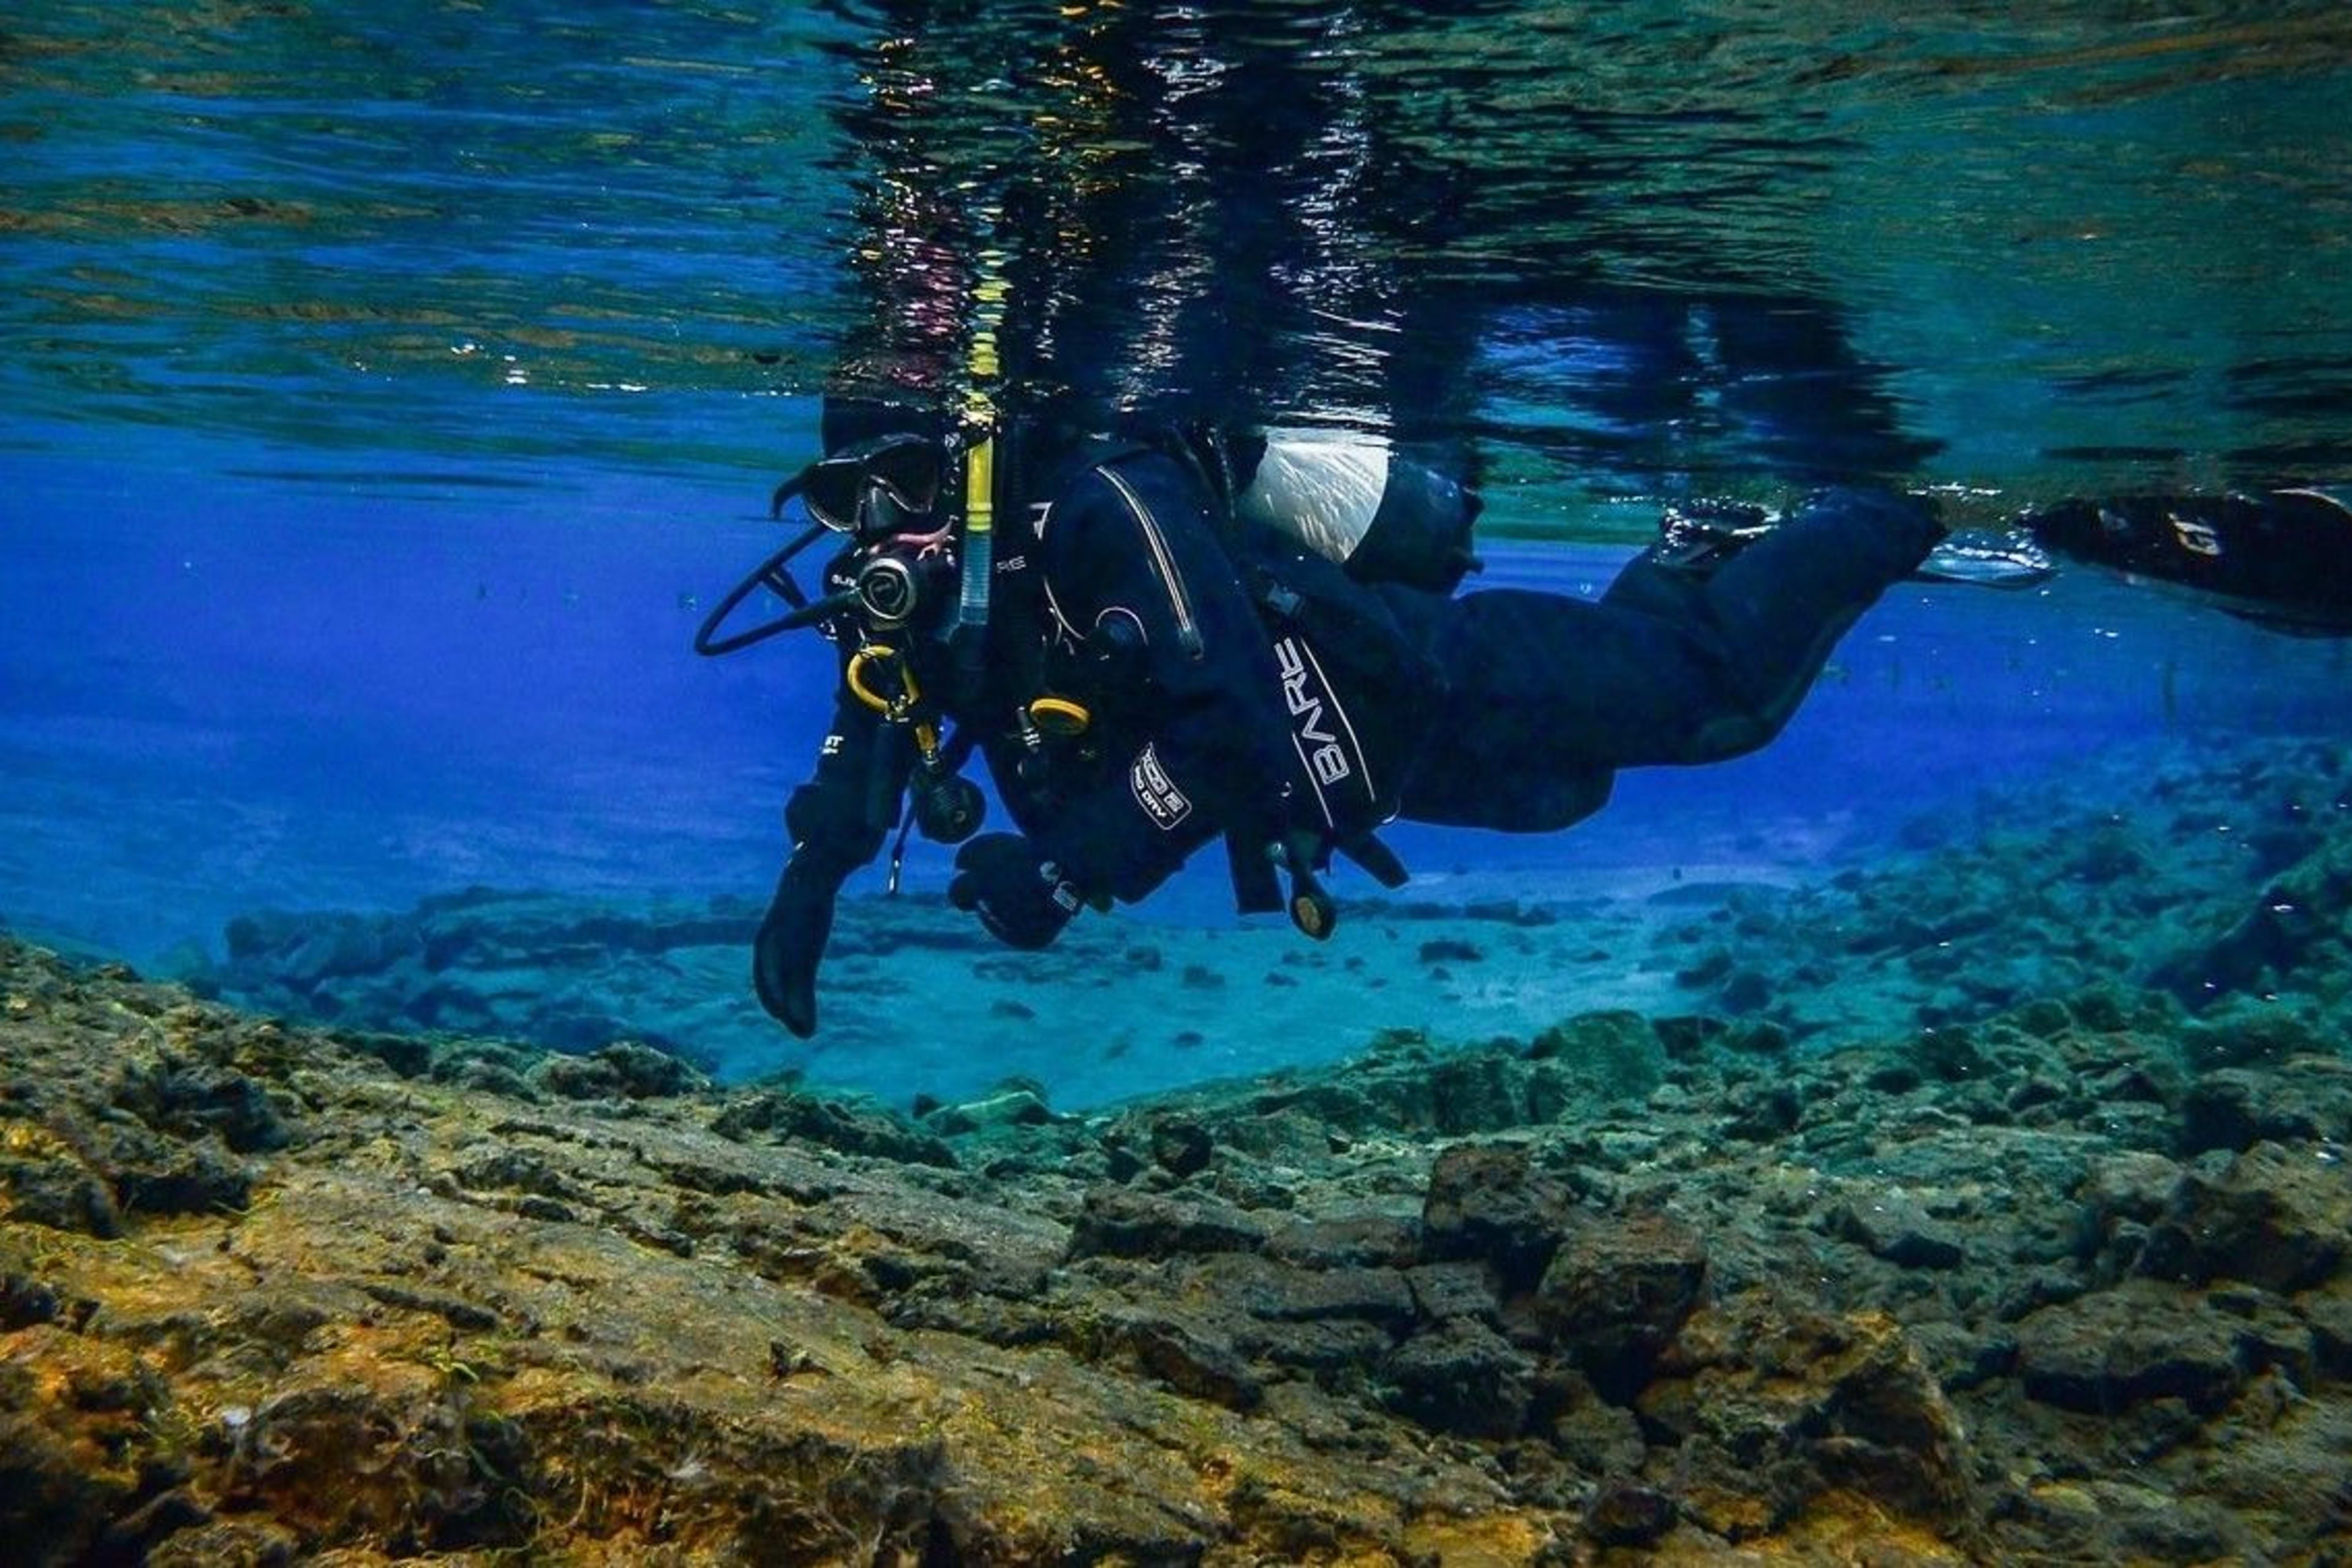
column 791, row 940
column 1019, row 895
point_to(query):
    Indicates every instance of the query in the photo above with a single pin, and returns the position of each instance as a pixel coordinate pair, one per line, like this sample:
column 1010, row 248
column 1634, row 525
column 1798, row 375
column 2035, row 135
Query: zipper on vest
column 1188, row 631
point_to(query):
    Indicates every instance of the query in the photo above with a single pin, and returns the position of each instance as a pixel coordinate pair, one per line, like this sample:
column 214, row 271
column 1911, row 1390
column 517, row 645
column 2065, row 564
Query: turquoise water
column 388, row 389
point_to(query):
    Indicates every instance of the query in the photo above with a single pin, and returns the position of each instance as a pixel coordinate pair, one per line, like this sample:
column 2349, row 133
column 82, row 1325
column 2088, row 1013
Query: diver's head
column 892, row 485
column 891, row 496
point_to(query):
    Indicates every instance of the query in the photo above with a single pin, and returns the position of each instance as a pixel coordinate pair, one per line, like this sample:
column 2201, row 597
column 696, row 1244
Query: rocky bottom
column 2219, row 875
column 2070, row 1285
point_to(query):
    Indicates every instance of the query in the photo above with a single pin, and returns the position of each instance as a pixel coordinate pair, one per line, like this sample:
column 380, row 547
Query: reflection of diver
column 2283, row 557
column 1195, row 215
column 1157, row 644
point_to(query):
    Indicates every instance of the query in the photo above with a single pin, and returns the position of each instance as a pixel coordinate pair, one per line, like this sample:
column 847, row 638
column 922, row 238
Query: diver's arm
column 840, row 816
column 836, row 821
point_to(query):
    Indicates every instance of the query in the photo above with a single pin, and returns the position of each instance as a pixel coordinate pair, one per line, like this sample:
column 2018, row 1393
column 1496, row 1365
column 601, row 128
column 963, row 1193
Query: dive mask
column 877, row 489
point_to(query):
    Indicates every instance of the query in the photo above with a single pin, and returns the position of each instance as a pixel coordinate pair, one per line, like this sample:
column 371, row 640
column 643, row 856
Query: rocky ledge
column 2071, row 1285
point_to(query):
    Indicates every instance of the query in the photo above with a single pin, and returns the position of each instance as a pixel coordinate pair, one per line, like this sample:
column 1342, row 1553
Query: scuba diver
column 1245, row 635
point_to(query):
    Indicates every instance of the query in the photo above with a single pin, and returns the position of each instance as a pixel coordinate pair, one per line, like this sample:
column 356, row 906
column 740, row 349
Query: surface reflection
column 1641, row 249
column 1200, row 212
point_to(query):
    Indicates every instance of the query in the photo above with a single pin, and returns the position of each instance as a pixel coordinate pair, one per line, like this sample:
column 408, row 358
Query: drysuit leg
column 1550, row 695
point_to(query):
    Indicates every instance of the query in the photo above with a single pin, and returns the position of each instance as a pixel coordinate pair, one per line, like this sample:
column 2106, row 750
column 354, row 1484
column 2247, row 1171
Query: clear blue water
column 388, row 389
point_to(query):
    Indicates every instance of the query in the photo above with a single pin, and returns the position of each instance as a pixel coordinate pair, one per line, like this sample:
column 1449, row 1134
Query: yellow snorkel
column 982, row 371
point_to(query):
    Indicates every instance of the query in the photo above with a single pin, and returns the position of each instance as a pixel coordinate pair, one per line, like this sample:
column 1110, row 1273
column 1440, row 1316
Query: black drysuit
column 1241, row 689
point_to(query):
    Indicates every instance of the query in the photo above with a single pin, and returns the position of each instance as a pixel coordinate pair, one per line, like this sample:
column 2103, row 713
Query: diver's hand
column 1018, row 894
column 792, row 939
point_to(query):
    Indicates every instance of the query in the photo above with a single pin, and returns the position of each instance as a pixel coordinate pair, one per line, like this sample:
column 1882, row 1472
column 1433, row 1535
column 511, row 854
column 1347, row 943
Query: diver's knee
column 1730, row 735
column 1563, row 800
column 1518, row 806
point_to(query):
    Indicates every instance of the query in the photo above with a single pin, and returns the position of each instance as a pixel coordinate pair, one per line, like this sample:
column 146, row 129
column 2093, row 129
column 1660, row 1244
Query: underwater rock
column 1764, row 1113
column 2223, row 879
column 1013, row 1107
column 1179, row 1145
column 1450, row 1093
column 1445, row 1291
column 1286, row 1293
column 2235, row 1108
column 2273, row 1217
column 1768, row 1403
column 1488, row 1203
column 1892, row 1225
column 2233, row 1035
column 192, row 1099
column 1202, row 1365
column 1616, row 1293
column 2093, row 1519
column 1451, row 950
column 303, row 950
column 1628, row 1513
column 625, row 1070
column 782, row 1324
column 1617, row 1052
column 793, row 1115
column 1478, row 1091
column 1345, row 1240
column 67, row 1406
column 482, row 960
column 25, row 1300
column 1117, row 1222
column 94, row 1168
column 2015, row 903
column 2122, row 1196
column 165, row 1177
column 1744, row 992
column 2113, row 1349
column 2298, row 923
column 1461, row 1377
column 49, row 1185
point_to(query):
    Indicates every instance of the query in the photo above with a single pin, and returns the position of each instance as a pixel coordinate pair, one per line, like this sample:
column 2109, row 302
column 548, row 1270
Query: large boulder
column 1617, row 1290
column 2104, row 1353
column 2276, row 1216
column 1769, row 1405
column 1489, row 1202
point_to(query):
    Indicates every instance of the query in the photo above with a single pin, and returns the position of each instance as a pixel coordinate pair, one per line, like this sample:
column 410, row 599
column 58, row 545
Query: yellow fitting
column 1059, row 716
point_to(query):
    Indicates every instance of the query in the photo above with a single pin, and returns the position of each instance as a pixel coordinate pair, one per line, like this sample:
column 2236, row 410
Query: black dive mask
column 877, row 488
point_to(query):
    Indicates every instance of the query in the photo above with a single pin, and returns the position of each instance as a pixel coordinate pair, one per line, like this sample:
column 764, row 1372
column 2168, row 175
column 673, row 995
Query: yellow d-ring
column 855, row 678
column 1060, row 717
